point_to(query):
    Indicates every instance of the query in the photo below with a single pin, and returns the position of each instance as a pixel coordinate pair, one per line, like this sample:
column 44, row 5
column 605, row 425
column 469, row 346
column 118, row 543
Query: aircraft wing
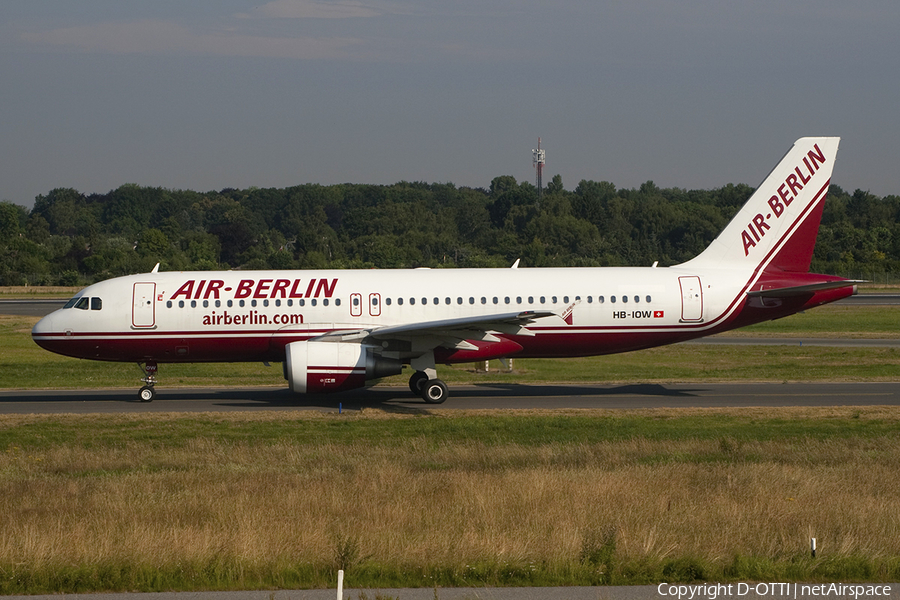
column 452, row 333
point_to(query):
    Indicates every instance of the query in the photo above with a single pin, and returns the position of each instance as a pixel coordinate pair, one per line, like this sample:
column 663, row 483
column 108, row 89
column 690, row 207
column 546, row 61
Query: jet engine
column 313, row 367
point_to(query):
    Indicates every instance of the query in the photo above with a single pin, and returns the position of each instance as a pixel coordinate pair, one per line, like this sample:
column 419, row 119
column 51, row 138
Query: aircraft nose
column 42, row 329
column 45, row 325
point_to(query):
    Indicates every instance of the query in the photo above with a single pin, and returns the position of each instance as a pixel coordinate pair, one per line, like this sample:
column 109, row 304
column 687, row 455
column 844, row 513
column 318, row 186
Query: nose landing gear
column 148, row 393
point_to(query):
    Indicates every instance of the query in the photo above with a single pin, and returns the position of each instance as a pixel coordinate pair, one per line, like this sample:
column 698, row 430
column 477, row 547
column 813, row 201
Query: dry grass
column 419, row 503
column 38, row 291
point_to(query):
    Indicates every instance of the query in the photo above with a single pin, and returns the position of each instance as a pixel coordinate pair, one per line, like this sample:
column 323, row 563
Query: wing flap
column 452, row 332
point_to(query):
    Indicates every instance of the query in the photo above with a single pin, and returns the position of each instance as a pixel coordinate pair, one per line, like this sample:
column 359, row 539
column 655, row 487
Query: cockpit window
column 82, row 303
column 72, row 302
column 96, row 304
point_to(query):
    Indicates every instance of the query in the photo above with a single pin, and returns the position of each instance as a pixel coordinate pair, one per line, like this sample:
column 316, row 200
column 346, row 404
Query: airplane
column 336, row 330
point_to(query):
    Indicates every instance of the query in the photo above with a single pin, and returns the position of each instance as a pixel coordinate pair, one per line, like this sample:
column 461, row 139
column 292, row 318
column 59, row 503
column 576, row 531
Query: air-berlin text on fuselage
column 203, row 289
column 787, row 192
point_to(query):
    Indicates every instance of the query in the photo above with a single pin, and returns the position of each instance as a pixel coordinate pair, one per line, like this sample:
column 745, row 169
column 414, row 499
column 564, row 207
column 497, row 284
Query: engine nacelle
column 312, row 367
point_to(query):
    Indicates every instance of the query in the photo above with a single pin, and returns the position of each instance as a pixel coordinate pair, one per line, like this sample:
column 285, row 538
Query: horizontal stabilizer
column 800, row 290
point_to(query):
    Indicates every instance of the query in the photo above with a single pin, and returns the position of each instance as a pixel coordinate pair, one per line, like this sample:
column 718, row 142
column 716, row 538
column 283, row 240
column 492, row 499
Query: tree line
column 69, row 238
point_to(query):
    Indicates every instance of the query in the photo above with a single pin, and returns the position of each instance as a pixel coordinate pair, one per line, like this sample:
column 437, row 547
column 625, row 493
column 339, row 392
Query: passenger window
column 265, row 302
column 301, row 302
column 483, row 300
column 553, row 299
column 289, row 303
column 648, row 299
column 437, row 301
column 313, row 302
column 412, row 301
column 194, row 303
column 424, row 301
column 96, row 304
column 518, row 299
column 566, row 299
column 612, row 299
column 543, row 300
column 590, row 299
column 230, row 304
column 624, row 298
column 601, row 299
column 387, row 301
column 337, row 301
column 637, row 298
column 496, row 300
column 219, row 303
column 206, row 304
column 325, row 302
column 400, row 301
column 169, row 304
column 181, row 304
column 241, row 303
column 447, row 300
column 252, row 303
column 506, row 300
column 530, row 299
column 471, row 300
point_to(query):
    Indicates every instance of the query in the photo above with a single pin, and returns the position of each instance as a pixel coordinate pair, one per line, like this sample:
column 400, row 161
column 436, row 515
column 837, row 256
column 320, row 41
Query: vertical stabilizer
column 776, row 229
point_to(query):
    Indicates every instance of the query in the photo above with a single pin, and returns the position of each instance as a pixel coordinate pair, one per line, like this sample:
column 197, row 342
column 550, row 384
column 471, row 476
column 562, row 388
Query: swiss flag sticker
column 658, row 314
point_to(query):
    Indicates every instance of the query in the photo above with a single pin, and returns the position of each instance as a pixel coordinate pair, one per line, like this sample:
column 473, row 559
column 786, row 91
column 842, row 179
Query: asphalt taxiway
column 462, row 397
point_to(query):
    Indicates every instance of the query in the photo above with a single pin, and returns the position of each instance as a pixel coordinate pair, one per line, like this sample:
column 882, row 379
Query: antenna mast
column 538, row 157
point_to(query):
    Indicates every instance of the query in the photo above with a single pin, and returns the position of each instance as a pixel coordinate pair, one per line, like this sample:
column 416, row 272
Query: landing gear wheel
column 417, row 381
column 435, row 391
column 147, row 393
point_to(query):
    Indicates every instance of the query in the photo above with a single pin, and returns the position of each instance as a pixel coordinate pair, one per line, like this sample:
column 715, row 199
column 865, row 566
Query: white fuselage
column 251, row 315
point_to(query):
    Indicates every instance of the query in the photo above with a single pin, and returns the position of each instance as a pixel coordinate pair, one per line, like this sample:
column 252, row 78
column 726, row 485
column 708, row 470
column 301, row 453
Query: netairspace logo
column 712, row 591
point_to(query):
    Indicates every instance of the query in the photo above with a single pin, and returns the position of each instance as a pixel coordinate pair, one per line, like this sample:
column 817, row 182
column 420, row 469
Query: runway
column 463, row 397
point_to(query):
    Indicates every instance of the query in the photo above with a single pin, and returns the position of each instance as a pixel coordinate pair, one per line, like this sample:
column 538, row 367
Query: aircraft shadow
column 392, row 399
column 397, row 399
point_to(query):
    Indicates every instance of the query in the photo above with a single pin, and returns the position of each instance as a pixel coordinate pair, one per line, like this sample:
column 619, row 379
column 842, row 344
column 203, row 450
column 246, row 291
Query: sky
column 206, row 95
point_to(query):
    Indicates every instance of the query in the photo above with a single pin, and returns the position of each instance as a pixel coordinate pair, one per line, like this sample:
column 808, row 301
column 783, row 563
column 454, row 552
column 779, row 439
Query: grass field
column 481, row 498
column 265, row 500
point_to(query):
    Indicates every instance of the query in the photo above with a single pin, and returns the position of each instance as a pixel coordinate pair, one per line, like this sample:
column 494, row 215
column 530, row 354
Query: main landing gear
column 148, row 393
column 428, row 387
column 435, row 391
column 424, row 381
column 431, row 390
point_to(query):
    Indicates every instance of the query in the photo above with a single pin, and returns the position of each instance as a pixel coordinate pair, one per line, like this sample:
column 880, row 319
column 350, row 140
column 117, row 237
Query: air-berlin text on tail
column 786, row 193
column 193, row 289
